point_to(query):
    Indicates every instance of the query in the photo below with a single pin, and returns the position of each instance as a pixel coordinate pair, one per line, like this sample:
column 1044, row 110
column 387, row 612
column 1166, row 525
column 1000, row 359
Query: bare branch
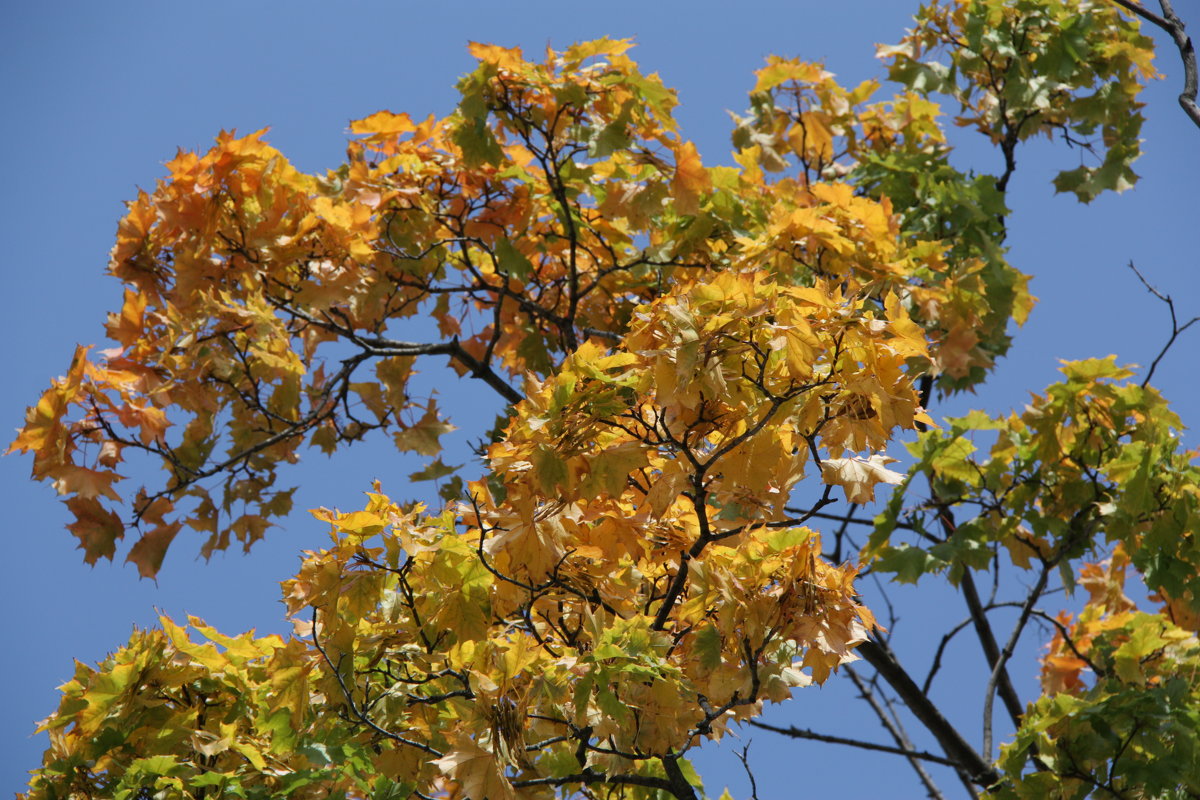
column 744, row 757
column 973, row 766
column 597, row 777
column 998, row 668
column 892, row 724
column 941, row 649
column 991, row 649
column 804, row 733
column 983, row 629
column 1176, row 329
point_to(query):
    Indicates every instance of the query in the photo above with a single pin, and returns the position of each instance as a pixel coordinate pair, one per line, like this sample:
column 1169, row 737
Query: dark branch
column 1174, row 27
column 952, row 742
column 597, row 777
column 1176, row 329
column 886, row 713
column 998, row 668
column 804, row 733
column 744, row 757
column 357, row 712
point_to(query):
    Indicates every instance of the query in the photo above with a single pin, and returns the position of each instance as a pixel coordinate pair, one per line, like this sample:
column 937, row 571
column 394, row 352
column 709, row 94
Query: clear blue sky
column 99, row 95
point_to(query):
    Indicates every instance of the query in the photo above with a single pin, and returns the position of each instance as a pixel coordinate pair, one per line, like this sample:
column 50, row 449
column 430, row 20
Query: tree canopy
column 706, row 373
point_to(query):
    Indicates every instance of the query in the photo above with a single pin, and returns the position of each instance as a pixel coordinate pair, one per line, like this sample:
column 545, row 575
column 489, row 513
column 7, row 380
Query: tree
column 681, row 347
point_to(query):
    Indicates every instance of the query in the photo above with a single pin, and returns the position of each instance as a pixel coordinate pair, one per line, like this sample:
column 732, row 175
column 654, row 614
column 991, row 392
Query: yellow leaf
column 86, row 483
column 779, row 70
column 504, row 57
column 360, row 523
column 422, row 437
column 383, row 123
column 691, row 179
column 476, row 770
column 582, row 51
column 858, row 476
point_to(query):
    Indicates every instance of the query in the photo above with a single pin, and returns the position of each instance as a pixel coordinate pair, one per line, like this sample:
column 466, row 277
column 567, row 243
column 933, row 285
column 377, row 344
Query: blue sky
column 101, row 94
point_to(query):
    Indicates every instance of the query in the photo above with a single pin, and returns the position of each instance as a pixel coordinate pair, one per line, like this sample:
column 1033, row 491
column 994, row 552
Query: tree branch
column 892, row 724
column 953, row 744
column 804, row 733
column 1174, row 27
column 983, row 629
column 679, row 785
column 744, row 757
column 382, row 346
column 597, row 777
column 998, row 668
column 357, row 712
column 991, row 649
column 1175, row 327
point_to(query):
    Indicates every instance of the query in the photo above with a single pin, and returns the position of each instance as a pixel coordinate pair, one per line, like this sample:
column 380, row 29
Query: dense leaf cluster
column 685, row 351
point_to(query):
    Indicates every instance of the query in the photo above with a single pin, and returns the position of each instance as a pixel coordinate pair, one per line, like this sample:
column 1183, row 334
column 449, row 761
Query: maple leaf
column 954, row 353
column 86, row 483
column 384, row 124
column 690, row 180
column 858, row 476
column 147, row 553
column 96, row 527
column 423, row 436
column 780, row 70
column 477, row 771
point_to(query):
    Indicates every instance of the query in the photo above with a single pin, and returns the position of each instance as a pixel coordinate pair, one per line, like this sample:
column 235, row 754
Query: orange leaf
column 96, row 527
column 691, row 179
column 84, row 482
column 148, row 553
column 383, row 123
column 503, row 57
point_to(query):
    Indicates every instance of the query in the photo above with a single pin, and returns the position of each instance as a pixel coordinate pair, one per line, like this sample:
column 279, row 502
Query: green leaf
column 433, row 471
column 908, row 563
column 479, row 145
column 512, row 260
column 706, row 644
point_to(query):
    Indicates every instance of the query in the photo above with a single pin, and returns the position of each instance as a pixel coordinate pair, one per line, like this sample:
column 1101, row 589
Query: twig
column 941, row 649
column 354, row 709
column 972, row 765
column 598, row 777
column 1175, row 327
column 804, row 733
column 989, row 692
column 744, row 757
column 871, row 693
column 983, row 629
column 991, row 649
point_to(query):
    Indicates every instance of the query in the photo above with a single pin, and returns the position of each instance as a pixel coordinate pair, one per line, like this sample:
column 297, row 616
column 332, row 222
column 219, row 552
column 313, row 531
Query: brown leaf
column 96, row 527
column 148, row 553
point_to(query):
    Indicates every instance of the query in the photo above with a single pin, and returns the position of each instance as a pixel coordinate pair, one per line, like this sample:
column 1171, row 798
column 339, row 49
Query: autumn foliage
column 702, row 366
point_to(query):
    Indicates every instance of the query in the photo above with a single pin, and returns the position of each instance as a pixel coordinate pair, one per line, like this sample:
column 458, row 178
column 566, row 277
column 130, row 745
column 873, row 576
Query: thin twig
column 983, row 628
column 973, row 766
column 744, row 757
column 989, row 692
column 1175, row 327
column 893, row 725
column 804, row 733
